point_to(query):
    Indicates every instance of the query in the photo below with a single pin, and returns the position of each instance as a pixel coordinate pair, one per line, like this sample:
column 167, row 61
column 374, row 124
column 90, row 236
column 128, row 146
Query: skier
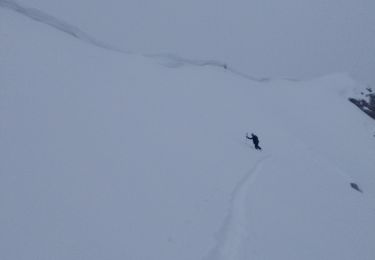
column 255, row 141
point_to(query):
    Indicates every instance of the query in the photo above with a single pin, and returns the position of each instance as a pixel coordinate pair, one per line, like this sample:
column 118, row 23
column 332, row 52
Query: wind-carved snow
column 58, row 24
column 167, row 59
column 234, row 231
column 174, row 61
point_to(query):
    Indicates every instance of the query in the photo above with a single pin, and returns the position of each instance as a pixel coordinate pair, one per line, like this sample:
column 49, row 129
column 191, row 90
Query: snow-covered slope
column 105, row 155
column 273, row 38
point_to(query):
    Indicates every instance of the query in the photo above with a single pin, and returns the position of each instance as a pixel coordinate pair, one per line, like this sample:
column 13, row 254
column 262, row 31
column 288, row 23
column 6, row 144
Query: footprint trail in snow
column 233, row 231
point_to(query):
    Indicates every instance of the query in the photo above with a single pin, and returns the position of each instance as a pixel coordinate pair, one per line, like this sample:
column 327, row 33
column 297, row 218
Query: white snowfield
column 107, row 155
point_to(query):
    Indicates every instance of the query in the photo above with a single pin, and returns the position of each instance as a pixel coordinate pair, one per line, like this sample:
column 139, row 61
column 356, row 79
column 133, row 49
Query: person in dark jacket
column 255, row 141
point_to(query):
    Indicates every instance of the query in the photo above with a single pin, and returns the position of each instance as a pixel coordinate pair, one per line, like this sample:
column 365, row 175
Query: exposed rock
column 356, row 187
column 366, row 104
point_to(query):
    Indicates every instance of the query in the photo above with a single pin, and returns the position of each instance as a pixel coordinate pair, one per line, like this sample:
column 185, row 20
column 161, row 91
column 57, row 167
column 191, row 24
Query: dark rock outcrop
column 356, row 187
column 366, row 104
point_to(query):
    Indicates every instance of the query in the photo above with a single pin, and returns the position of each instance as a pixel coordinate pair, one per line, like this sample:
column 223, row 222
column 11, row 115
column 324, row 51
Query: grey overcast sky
column 277, row 38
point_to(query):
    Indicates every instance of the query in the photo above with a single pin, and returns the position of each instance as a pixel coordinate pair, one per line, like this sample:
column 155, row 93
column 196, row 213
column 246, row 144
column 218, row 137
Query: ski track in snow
column 233, row 231
column 167, row 59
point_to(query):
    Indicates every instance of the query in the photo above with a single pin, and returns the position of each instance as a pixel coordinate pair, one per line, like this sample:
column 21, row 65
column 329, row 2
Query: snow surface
column 107, row 155
column 300, row 39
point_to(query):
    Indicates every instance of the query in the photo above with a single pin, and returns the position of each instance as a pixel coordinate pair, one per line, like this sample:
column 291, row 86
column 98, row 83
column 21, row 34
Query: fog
column 291, row 38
